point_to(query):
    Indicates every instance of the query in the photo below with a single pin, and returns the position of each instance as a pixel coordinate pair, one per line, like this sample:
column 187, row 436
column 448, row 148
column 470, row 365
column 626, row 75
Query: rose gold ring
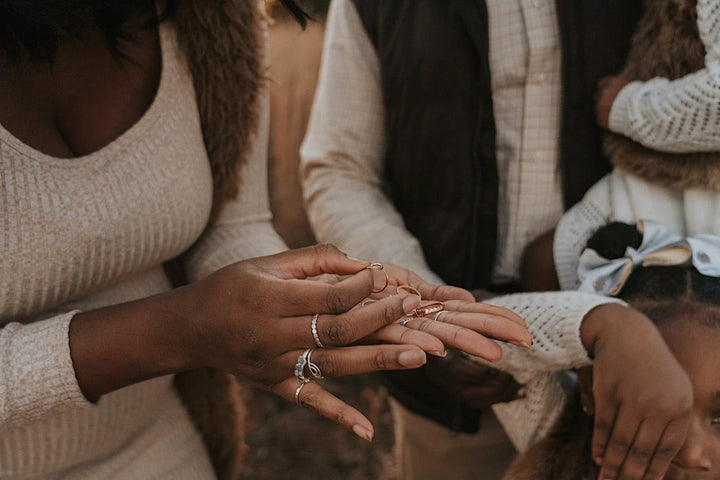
column 428, row 309
column 379, row 266
column 408, row 289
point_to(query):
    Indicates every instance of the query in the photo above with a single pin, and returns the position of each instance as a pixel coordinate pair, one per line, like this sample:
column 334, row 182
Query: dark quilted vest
column 441, row 161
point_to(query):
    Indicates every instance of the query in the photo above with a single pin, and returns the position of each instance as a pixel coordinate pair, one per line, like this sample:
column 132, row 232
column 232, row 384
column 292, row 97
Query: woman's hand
column 465, row 325
column 253, row 319
column 643, row 397
column 608, row 89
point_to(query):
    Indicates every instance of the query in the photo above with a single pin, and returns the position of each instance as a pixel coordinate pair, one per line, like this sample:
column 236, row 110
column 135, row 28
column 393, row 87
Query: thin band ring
column 297, row 392
column 379, row 266
column 428, row 309
column 315, row 371
column 408, row 289
column 437, row 315
column 404, row 321
column 313, row 327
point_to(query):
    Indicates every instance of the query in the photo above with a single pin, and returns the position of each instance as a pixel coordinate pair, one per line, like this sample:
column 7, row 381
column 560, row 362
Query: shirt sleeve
column 244, row 228
column 342, row 154
column 554, row 319
column 37, row 377
column 680, row 115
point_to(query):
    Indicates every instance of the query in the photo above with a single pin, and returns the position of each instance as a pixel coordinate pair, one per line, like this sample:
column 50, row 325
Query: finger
column 643, row 449
column 492, row 326
column 338, row 362
column 316, row 399
column 621, row 438
column 605, row 413
column 442, row 293
column 307, row 296
column 460, row 338
column 668, row 446
column 312, row 261
column 398, row 334
column 346, row 328
column 478, row 307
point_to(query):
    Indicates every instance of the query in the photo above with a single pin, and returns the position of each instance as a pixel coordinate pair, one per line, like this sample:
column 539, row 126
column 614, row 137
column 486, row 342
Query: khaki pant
column 425, row 450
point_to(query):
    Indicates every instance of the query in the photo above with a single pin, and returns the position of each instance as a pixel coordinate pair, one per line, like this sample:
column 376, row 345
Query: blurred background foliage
column 313, row 7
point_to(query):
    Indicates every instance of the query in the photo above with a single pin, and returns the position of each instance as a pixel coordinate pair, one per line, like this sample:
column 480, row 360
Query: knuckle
column 619, row 444
column 379, row 362
column 310, row 400
column 665, row 453
column 334, row 300
column 328, row 363
column 640, row 454
column 340, row 331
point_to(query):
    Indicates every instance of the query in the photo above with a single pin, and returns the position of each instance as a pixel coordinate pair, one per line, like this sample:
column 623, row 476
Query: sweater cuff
column 37, row 371
column 619, row 120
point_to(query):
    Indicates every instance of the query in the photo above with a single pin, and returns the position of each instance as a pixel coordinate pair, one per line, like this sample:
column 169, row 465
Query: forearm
column 120, row 345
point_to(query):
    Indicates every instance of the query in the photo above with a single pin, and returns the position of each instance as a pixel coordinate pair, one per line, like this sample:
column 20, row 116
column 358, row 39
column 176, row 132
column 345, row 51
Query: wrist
column 612, row 323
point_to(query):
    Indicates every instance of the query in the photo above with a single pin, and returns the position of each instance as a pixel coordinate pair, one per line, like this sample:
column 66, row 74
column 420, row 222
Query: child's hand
column 608, row 89
column 643, row 397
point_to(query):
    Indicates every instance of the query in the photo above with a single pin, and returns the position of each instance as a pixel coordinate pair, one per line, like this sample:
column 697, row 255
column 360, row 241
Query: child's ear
column 585, row 382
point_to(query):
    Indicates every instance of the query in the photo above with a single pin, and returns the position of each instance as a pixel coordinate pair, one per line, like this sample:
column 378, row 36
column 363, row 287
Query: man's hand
column 608, row 89
column 477, row 385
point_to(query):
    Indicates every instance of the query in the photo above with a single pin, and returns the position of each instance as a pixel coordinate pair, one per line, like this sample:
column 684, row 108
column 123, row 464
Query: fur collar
column 223, row 43
column 666, row 44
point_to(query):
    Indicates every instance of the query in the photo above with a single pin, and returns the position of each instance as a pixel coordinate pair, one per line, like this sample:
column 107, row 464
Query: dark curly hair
column 33, row 29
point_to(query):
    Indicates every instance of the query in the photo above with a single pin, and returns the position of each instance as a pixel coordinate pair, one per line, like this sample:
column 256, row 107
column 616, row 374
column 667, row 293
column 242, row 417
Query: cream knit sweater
column 87, row 232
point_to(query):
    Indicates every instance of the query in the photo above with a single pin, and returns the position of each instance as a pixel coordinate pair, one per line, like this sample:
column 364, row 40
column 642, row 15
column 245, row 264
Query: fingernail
column 362, row 432
column 412, row 358
column 410, row 302
column 442, row 354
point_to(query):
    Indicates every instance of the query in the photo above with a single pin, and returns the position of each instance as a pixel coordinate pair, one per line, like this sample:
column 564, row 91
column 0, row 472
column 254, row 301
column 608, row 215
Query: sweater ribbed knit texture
column 82, row 233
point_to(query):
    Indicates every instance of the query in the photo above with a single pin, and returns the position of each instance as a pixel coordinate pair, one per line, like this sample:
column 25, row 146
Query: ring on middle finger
column 437, row 315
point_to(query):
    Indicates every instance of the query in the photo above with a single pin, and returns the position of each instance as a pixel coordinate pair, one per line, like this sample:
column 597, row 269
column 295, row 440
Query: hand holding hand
column 254, row 319
column 643, row 397
column 608, row 89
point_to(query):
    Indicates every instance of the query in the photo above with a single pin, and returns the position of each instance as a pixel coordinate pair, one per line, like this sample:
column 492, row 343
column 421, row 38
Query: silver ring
column 300, row 366
column 437, row 315
column 297, row 392
column 404, row 321
column 315, row 371
column 313, row 327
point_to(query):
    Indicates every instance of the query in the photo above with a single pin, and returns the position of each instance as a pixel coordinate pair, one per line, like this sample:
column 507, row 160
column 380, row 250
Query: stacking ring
column 408, row 289
column 313, row 327
column 300, row 366
column 315, row 371
column 428, row 309
column 379, row 266
column 297, row 392
column 404, row 321
column 437, row 315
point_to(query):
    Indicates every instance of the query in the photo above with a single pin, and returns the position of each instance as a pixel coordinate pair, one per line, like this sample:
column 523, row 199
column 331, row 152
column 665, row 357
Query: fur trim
column 223, row 42
column 214, row 401
column 666, row 44
column 564, row 454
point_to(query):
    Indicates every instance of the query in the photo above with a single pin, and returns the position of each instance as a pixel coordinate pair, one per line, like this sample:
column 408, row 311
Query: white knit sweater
column 680, row 115
column 87, row 232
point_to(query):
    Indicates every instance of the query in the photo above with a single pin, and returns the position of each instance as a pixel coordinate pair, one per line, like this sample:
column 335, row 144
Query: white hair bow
column 660, row 247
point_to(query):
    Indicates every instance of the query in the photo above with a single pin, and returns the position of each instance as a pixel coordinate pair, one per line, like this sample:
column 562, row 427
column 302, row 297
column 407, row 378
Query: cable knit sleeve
column 554, row 318
column 680, row 115
column 244, row 228
column 343, row 151
column 37, row 377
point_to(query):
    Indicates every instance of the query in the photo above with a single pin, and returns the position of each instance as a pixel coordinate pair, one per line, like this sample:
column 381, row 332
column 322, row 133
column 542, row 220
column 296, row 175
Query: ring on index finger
column 437, row 315
column 379, row 266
